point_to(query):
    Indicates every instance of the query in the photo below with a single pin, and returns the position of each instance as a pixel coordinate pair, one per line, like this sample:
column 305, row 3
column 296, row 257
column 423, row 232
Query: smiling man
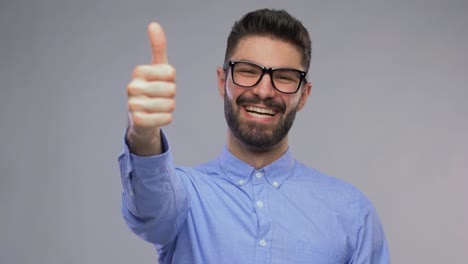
column 254, row 203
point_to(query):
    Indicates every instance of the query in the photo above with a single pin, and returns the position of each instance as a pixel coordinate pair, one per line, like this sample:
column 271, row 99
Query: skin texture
column 151, row 97
column 254, row 140
column 248, row 129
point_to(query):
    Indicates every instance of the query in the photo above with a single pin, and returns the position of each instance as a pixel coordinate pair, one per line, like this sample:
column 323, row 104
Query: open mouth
column 260, row 112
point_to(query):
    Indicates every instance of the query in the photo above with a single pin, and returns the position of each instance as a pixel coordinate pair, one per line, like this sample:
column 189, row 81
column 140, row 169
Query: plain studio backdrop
column 388, row 113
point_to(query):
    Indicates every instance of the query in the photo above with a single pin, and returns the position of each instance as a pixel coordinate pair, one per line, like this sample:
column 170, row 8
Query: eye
column 285, row 77
column 248, row 71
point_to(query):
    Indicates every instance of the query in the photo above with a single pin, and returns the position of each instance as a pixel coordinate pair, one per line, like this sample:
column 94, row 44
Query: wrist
column 144, row 143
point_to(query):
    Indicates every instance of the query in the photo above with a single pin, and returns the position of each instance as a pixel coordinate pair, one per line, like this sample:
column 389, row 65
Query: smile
column 260, row 112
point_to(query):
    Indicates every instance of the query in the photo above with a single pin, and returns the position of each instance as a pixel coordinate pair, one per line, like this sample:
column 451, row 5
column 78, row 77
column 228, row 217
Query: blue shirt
column 226, row 211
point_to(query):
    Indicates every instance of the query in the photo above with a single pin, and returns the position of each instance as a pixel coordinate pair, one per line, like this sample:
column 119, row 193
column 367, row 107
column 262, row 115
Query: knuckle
column 166, row 119
column 137, row 71
column 136, row 118
column 140, row 119
column 131, row 108
column 138, row 88
column 171, row 89
column 171, row 72
column 172, row 105
column 134, row 104
column 133, row 87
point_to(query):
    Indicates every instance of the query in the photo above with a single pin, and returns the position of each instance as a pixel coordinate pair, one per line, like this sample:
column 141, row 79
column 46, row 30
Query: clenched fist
column 151, row 97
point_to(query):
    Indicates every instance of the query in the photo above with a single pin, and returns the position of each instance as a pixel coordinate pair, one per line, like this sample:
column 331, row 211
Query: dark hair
column 275, row 23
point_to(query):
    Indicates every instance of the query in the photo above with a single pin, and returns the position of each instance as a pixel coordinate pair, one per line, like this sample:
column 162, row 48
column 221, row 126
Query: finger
column 151, row 105
column 150, row 120
column 139, row 87
column 161, row 72
column 158, row 43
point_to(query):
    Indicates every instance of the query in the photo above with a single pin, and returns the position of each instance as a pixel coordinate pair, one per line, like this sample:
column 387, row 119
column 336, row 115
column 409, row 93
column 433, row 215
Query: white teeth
column 259, row 115
column 259, row 111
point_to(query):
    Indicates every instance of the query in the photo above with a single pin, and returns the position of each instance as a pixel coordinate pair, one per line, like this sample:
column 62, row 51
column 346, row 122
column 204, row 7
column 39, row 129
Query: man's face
column 260, row 117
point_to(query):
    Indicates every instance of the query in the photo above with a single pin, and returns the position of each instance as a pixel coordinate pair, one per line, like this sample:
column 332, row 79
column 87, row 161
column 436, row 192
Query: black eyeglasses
column 248, row 74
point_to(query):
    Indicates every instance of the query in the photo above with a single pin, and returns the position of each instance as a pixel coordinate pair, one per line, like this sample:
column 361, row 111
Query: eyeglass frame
column 231, row 63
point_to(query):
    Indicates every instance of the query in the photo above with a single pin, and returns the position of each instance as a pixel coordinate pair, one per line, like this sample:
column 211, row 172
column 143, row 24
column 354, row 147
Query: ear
column 305, row 92
column 221, row 81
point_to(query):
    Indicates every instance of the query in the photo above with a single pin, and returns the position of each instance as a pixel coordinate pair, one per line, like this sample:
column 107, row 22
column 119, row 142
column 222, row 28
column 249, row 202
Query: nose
column 264, row 89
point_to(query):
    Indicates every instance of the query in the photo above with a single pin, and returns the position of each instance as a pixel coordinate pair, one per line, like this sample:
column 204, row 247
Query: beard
column 257, row 136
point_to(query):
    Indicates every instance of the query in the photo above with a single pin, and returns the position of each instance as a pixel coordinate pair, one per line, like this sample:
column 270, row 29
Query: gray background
column 388, row 112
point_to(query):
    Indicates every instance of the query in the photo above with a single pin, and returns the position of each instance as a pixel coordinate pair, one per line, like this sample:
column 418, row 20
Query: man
column 254, row 203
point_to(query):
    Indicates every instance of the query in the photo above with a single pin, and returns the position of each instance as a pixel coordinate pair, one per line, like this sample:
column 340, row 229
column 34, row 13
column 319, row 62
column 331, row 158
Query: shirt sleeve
column 154, row 200
column 371, row 245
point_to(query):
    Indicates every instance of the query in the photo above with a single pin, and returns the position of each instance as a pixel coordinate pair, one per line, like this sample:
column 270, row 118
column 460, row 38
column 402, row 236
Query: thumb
column 158, row 43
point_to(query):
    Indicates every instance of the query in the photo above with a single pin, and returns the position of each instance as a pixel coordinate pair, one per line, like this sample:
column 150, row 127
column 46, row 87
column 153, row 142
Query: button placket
column 262, row 243
column 260, row 189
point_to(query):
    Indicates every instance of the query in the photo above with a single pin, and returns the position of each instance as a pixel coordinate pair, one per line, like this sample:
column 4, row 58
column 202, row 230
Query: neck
column 256, row 158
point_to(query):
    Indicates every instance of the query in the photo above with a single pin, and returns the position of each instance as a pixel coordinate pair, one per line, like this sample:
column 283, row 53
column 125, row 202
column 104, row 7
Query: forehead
column 268, row 51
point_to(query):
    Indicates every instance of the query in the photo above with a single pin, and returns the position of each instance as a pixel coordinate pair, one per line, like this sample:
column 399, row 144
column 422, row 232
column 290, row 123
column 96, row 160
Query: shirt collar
column 240, row 172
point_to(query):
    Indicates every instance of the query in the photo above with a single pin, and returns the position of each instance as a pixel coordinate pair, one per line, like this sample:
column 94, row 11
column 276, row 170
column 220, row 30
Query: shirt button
column 275, row 184
column 260, row 204
column 262, row 243
column 241, row 182
column 258, row 175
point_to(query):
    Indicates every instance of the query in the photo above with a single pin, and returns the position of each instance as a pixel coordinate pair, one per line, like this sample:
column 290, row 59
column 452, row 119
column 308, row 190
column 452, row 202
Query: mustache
column 268, row 102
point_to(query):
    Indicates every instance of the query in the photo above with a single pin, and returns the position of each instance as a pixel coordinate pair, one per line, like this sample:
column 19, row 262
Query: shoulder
column 328, row 187
column 210, row 168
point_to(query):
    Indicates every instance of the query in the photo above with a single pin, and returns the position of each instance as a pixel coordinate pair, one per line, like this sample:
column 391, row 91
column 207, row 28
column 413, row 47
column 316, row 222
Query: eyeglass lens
column 248, row 74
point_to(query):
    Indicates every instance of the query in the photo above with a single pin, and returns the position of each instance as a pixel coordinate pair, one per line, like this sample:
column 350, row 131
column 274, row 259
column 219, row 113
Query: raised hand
column 151, row 97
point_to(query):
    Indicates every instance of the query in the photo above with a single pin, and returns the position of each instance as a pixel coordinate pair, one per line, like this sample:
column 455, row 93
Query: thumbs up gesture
column 151, row 97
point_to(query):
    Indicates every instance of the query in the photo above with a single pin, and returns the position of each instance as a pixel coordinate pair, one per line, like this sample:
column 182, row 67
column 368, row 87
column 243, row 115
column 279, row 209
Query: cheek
column 228, row 92
column 291, row 102
column 231, row 91
column 296, row 101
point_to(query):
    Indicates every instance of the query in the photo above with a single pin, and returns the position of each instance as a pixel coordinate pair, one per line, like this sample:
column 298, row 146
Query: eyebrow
column 279, row 67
